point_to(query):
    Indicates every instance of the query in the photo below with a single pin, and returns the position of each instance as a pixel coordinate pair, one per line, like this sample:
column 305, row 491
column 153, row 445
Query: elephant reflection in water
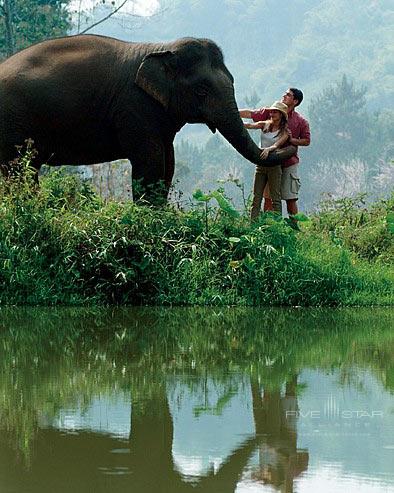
column 275, row 418
column 144, row 463
column 152, row 462
column 275, row 439
column 89, row 461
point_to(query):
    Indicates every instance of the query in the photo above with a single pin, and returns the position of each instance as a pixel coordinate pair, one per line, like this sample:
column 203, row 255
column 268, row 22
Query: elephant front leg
column 169, row 166
column 149, row 173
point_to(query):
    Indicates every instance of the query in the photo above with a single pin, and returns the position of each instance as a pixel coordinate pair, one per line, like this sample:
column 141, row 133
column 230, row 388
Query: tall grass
column 62, row 244
column 366, row 230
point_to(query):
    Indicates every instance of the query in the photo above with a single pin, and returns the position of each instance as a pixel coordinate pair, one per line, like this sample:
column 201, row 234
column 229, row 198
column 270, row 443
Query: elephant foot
column 150, row 194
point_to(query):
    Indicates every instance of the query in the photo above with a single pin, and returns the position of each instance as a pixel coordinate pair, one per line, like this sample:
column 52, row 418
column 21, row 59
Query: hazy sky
column 139, row 7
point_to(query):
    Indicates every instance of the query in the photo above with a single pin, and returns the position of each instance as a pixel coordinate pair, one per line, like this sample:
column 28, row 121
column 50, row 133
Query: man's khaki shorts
column 290, row 184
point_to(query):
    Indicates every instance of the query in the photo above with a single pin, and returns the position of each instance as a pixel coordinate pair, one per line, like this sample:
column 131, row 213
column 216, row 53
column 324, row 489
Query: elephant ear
column 156, row 75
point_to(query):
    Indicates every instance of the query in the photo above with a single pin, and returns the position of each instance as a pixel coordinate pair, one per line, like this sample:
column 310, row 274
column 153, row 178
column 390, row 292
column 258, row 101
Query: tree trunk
column 9, row 28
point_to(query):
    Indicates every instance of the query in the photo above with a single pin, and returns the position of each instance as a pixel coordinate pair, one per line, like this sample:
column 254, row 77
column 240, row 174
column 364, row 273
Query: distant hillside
column 271, row 44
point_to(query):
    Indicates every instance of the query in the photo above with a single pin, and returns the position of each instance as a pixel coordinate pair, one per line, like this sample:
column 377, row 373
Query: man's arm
column 304, row 138
column 256, row 115
column 300, row 142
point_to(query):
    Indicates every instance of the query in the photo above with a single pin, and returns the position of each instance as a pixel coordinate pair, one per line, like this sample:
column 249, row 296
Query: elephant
column 88, row 99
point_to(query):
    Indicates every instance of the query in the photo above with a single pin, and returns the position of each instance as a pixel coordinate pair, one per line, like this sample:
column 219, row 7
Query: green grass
column 365, row 230
column 62, row 244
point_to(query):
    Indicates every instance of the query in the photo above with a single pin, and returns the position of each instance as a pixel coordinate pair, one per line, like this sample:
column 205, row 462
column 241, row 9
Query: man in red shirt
column 299, row 136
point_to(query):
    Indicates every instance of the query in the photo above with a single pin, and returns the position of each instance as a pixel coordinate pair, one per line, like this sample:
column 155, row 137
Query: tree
column 343, row 129
column 351, row 146
column 339, row 121
column 7, row 10
column 253, row 100
column 125, row 13
column 24, row 22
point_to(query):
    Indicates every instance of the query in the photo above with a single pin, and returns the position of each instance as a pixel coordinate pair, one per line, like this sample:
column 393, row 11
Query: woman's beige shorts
column 290, row 184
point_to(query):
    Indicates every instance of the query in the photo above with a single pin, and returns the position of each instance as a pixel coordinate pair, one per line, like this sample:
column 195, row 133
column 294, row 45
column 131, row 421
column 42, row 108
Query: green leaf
column 390, row 222
column 200, row 196
column 224, row 204
column 301, row 217
column 234, row 239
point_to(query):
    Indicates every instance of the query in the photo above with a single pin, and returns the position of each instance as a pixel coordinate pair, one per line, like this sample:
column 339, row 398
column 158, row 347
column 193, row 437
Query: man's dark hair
column 297, row 95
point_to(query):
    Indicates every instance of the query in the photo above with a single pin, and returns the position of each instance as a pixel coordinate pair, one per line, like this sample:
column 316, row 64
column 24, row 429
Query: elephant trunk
column 233, row 130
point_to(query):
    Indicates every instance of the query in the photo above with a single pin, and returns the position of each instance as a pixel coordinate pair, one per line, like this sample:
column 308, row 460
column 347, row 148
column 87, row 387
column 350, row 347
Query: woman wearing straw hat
column 274, row 134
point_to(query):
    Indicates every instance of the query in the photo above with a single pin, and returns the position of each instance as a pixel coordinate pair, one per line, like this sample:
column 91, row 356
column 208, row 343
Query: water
column 196, row 400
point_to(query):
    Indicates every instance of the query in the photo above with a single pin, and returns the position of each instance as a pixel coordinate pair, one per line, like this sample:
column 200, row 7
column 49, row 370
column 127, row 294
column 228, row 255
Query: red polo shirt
column 297, row 124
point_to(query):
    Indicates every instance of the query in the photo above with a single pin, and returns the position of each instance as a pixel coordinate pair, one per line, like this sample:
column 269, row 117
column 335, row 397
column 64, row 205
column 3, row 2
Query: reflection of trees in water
column 380, row 358
column 135, row 351
column 152, row 460
column 78, row 461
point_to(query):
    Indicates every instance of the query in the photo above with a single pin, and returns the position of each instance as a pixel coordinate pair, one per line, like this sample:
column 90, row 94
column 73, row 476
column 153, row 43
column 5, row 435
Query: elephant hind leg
column 14, row 167
column 5, row 163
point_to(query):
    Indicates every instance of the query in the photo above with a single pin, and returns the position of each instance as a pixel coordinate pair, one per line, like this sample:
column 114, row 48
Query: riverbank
column 64, row 245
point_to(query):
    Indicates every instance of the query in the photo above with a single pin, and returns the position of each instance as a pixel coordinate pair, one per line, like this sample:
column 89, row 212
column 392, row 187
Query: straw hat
column 279, row 106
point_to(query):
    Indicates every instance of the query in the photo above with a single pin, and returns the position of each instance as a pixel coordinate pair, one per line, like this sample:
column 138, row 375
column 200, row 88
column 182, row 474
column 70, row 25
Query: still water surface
column 196, row 400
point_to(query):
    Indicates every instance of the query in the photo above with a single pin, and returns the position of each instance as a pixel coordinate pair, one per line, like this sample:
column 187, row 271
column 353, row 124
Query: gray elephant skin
column 90, row 99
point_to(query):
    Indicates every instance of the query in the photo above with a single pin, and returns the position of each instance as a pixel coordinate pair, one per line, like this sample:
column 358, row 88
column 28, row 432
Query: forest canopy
column 272, row 44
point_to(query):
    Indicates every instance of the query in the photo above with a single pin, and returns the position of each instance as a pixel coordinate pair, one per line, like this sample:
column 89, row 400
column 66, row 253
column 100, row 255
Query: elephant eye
column 202, row 90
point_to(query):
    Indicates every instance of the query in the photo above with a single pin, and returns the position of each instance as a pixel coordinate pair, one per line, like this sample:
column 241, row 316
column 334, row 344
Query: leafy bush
column 61, row 244
column 365, row 230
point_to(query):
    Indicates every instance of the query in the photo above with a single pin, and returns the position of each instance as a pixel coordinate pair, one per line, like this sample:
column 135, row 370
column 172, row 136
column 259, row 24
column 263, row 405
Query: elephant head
column 190, row 80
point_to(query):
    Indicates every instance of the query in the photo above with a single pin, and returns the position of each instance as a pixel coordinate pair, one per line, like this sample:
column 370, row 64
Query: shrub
column 364, row 230
column 61, row 244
